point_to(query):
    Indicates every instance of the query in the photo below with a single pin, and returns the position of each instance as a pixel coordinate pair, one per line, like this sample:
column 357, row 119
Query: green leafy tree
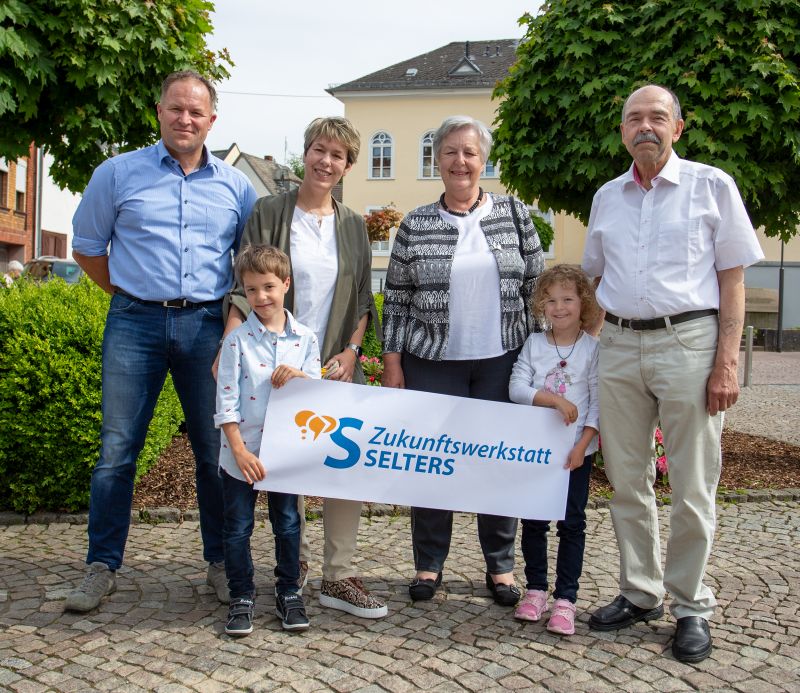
column 734, row 64
column 295, row 163
column 81, row 77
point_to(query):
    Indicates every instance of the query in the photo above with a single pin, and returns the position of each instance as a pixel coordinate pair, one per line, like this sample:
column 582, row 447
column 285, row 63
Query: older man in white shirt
column 668, row 242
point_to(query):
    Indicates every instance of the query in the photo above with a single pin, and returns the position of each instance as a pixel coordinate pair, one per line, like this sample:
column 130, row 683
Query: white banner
column 337, row 440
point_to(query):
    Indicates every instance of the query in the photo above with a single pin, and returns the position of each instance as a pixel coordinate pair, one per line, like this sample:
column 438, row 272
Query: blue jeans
column 572, row 539
column 141, row 343
column 431, row 528
column 240, row 503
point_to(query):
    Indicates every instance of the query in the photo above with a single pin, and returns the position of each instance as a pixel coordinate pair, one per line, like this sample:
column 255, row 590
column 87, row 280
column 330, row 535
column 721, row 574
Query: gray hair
column 181, row 75
column 458, row 122
column 676, row 104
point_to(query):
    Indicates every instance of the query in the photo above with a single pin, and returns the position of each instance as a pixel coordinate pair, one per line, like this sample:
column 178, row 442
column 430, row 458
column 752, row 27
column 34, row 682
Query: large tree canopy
column 734, row 64
column 80, row 77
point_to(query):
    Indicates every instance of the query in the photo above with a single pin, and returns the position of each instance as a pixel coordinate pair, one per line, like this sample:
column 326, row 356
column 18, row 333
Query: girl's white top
column 537, row 368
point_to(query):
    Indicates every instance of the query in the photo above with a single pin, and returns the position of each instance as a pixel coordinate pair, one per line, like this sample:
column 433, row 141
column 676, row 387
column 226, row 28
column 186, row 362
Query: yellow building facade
column 397, row 109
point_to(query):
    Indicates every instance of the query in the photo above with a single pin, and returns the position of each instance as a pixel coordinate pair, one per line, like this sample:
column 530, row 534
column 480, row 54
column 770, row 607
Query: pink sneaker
column 562, row 618
column 532, row 606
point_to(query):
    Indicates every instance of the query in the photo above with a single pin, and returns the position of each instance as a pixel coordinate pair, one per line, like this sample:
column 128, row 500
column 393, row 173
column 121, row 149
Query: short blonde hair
column 337, row 129
column 566, row 274
column 262, row 259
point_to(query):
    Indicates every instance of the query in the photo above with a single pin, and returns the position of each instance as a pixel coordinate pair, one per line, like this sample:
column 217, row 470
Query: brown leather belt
column 659, row 323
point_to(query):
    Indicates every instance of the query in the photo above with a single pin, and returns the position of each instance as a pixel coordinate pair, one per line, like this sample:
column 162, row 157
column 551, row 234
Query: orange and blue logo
column 317, row 424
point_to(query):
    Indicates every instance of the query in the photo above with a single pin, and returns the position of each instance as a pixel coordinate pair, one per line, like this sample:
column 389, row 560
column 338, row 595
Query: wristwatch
column 356, row 349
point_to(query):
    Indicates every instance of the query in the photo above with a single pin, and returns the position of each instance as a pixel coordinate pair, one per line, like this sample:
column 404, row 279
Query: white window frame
column 494, row 172
column 427, row 141
column 385, row 141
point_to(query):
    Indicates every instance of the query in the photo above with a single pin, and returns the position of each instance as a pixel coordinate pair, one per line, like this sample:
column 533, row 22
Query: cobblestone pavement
column 770, row 406
column 162, row 629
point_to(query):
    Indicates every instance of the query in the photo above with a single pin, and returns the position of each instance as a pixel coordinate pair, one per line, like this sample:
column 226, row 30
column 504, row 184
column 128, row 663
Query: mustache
column 646, row 137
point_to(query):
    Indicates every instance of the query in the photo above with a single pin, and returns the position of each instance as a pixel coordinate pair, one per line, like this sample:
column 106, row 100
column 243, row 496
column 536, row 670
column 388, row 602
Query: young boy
column 266, row 351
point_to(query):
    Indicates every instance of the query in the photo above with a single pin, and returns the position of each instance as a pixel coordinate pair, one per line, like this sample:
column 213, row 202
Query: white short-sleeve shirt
column 659, row 250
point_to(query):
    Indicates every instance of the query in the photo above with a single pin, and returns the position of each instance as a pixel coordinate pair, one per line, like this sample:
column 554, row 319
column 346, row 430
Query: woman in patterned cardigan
column 455, row 316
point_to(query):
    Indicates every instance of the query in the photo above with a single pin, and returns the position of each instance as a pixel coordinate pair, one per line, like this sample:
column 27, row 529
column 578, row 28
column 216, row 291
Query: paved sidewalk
column 771, row 406
column 162, row 629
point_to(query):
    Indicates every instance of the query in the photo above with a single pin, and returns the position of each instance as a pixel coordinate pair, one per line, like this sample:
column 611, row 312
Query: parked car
column 47, row 267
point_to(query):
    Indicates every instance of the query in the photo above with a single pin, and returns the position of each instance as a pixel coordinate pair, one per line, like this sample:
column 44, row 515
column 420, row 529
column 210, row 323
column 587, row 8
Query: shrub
column 50, row 391
column 371, row 346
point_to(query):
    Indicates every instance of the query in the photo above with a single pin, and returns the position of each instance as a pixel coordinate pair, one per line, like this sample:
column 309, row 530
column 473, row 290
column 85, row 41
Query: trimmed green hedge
column 371, row 346
column 51, row 338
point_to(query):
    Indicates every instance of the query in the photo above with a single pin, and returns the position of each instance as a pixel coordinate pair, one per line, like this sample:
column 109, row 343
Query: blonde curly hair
column 566, row 274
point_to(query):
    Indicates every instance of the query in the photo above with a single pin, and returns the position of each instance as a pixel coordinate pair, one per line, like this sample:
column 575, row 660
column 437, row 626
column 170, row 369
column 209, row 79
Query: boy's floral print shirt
column 247, row 359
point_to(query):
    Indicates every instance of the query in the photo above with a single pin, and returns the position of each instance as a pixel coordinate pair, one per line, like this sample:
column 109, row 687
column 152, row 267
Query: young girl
column 558, row 368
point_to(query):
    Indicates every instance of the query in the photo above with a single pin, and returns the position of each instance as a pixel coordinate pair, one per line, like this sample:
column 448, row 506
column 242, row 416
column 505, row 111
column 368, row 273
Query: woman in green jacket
column 331, row 293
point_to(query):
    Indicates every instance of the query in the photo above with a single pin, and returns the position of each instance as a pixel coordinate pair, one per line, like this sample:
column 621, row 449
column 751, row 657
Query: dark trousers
column 571, row 540
column 240, row 503
column 431, row 529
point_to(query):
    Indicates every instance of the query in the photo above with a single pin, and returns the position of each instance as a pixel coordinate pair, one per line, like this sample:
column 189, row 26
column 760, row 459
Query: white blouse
column 474, row 291
column 315, row 266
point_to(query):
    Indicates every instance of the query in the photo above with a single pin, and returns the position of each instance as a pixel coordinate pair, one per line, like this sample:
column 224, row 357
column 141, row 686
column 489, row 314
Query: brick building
column 17, row 209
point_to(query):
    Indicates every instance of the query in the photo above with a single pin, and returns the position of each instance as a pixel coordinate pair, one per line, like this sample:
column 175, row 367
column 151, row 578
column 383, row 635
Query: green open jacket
column 271, row 223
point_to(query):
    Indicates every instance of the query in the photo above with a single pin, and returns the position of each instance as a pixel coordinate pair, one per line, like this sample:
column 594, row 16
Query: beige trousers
column 646, row 377
column 340, row 520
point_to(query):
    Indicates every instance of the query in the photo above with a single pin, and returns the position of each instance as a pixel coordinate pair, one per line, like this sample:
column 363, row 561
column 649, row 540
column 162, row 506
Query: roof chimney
column 497, row 50
column 466, row 49
column 269, row 157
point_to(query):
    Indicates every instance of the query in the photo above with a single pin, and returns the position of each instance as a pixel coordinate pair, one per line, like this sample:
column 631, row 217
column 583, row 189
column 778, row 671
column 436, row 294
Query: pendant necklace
column 563, row 361
column 456, row 213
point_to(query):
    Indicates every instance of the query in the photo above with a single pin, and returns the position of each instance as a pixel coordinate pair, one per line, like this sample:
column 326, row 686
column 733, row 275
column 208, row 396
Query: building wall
column 58, row 208
column 16, row 226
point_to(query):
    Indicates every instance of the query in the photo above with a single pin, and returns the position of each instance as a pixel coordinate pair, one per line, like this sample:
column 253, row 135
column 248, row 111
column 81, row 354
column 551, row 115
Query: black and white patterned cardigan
column 417, row 292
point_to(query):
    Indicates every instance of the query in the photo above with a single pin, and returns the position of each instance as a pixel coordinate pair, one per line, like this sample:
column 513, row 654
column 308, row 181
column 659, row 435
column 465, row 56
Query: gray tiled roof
column 488, row 62
column 270, row 173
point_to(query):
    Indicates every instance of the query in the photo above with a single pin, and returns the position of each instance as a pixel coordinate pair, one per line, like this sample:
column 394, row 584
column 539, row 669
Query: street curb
column 157, row 516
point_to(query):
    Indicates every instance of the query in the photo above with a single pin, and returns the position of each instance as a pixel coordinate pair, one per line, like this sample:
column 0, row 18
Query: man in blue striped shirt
column 157, row 229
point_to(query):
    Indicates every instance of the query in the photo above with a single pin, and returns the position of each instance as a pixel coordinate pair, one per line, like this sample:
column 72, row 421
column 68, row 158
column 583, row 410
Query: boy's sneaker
column 97, row 583
column 240, row 617
column 216, row 578
column 291, row 610
column 349, row 595
column 562, row 618
column 532, row 606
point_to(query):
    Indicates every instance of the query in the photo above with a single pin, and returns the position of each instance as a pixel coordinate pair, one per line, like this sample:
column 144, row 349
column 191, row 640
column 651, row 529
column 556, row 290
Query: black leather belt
column 659, row 323
column 173, row 303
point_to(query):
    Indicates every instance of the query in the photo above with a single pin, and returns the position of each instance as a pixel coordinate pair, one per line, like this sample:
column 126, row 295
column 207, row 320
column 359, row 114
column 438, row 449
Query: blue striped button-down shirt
column 171, row 235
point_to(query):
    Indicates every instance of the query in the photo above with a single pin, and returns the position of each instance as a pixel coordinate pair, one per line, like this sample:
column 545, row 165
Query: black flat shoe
column 622, row 613
column 504, row 595
column 692, row 642
column 422, row 590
